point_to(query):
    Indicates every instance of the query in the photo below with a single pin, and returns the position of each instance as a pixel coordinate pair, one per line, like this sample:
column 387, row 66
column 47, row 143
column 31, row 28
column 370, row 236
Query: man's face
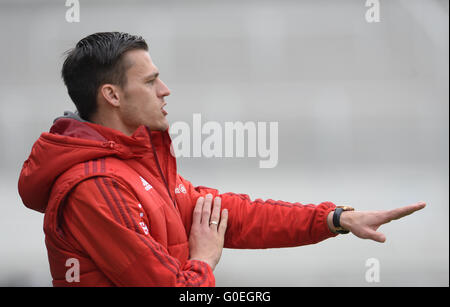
column 143, row 95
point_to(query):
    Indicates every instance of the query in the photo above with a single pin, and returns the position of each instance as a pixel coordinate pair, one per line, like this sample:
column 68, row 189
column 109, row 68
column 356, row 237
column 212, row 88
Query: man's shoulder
column 102, row 166
column 89, row 170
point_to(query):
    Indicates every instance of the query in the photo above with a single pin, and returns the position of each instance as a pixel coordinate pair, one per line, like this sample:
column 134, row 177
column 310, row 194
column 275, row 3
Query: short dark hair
column 97, row 59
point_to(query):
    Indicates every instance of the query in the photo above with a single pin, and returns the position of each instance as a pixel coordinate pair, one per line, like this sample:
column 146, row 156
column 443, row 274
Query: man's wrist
column 330, row 222
column 345, row 220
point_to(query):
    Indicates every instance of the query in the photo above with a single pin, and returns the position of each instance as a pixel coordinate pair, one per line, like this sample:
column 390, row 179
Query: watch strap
column 337, row 219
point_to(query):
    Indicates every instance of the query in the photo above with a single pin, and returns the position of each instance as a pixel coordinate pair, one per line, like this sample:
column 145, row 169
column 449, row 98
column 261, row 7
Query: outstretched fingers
column 390, row 215
column 398, row 213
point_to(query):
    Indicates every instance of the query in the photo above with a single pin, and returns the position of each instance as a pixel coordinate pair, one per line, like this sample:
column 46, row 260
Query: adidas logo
column 146, row 185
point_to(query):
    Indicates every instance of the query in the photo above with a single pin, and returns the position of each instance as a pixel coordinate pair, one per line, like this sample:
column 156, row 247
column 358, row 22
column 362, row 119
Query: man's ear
column 111, row 94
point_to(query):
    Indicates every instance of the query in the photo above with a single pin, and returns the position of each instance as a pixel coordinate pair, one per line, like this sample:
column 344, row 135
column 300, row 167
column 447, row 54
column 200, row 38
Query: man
column 114, row 202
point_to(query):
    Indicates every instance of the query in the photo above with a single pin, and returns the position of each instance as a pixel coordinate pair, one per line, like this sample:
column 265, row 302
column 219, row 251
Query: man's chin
column 161, row 127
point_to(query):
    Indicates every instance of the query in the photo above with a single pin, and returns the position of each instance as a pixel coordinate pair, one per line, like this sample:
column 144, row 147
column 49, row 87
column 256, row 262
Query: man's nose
column 163, row 90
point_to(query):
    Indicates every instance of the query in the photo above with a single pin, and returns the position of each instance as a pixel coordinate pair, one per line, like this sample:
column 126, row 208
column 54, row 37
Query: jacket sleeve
column 109, row 225
column 267, row 224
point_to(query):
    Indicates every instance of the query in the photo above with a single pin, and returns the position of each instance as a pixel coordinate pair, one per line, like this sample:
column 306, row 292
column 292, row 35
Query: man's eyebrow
column 152, row 76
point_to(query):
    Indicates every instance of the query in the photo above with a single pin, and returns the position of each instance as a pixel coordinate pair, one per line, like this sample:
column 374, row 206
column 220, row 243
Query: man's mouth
column 164, row 111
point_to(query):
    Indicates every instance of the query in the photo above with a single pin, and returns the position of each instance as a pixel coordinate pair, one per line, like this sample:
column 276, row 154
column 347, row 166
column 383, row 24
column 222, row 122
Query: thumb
column 377, row 236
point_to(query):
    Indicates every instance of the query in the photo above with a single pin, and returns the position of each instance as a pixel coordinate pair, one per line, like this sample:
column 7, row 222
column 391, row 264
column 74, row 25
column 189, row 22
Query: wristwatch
column 337, row 218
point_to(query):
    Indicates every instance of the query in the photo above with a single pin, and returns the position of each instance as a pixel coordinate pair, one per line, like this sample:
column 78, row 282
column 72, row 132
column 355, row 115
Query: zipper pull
column 109, row 144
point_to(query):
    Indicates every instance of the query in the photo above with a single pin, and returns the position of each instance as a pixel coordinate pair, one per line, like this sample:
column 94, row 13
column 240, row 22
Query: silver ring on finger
column 213, row 222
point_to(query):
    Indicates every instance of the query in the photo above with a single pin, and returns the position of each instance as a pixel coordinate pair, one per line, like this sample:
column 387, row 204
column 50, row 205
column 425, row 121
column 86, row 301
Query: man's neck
column 113, row 122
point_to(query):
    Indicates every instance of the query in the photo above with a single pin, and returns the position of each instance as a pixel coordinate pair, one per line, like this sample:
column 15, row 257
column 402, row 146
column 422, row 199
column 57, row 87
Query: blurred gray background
column 362, row 111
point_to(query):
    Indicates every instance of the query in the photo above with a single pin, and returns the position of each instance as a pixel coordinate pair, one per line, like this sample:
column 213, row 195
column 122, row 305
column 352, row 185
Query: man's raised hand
column 364, row 224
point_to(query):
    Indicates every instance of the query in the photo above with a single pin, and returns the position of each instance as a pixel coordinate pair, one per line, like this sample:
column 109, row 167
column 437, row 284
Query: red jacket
column 117, row 205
